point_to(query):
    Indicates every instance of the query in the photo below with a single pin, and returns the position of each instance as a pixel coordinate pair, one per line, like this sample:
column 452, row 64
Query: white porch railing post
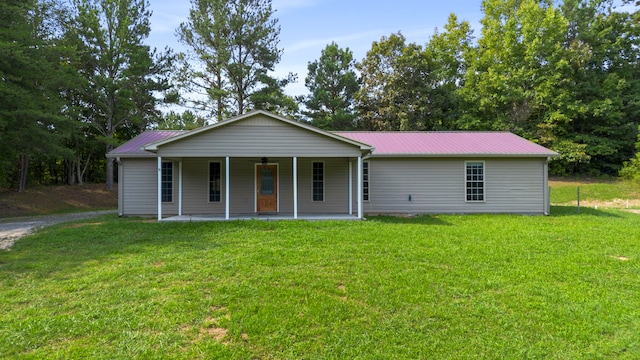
column 359, row 187
column 350, row 187
column 295, row 187
column 180, row 188
column 159, row 188
column 226, row 188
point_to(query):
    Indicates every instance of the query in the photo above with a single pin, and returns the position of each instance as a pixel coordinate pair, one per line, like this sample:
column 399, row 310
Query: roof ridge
column 164, row 130
column 423, row 131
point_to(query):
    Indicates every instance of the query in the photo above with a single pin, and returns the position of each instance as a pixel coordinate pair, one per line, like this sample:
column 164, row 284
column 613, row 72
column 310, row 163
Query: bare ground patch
column 608, row 204
column 16, row 228
column 44, row 200
column 79, row 225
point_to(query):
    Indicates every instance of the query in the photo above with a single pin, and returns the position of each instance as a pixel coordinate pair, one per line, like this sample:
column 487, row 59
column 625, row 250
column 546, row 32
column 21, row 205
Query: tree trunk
column 78, row 172
column 219, row 96
column 82, row 171
column 24, row 168
column 109, row 171
column 71, row 174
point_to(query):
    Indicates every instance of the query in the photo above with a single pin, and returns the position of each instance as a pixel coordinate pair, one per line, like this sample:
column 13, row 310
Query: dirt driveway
column 13, row 229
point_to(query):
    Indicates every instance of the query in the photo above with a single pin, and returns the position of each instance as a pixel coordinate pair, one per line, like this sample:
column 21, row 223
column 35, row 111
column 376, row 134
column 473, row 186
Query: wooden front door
column 267, row 188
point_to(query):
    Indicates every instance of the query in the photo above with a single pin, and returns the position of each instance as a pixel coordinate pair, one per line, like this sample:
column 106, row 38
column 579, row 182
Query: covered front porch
column 263, row 217
column 274, row 188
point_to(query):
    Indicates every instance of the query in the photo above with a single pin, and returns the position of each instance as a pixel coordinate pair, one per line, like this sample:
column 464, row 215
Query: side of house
column 441, row 185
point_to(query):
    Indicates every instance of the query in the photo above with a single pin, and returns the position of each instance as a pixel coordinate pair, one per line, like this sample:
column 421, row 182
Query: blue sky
column 307, row 26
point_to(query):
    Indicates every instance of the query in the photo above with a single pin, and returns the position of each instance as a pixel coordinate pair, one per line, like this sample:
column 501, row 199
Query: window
column 318, row 181
column 365, row 181
column 475, row 181
column 214, row 182
column 167, row 181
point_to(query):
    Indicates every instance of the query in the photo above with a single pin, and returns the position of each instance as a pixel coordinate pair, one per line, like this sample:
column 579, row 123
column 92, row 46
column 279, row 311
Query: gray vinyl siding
column 258, row 136
column 195, row 190
column 140, row 188
column 438, row 186
column 336, row 186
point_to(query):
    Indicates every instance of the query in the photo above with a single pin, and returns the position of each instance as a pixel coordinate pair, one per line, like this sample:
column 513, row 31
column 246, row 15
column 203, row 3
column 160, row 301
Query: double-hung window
column 365, row 181
column 214, row 182
column 474, row 181
column 167, row 181
column 318, row 181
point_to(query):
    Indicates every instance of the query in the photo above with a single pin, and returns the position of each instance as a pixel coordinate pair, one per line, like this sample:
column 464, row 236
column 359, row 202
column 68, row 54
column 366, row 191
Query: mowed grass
column 448, row 287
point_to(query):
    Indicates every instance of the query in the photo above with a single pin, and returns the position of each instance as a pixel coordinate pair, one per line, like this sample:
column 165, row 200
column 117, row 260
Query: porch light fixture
column 264, row 161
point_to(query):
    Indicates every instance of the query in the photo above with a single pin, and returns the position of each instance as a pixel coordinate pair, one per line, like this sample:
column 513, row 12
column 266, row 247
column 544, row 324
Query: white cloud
column 293, row 4
column 370, row 36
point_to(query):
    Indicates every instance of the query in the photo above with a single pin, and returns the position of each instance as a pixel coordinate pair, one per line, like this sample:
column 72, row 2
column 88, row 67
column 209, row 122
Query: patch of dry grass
column 56, row 199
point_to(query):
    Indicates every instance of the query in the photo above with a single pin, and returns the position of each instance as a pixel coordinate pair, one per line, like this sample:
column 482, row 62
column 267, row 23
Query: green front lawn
column 483, row 286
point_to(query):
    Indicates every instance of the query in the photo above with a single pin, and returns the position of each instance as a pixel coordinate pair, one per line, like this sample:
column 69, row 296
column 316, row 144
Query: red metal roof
column 396, row 143
column 134, row 146
column 448, row 143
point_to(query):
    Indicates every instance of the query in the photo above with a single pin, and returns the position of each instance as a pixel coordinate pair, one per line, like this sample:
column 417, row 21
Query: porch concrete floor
column 310, row 217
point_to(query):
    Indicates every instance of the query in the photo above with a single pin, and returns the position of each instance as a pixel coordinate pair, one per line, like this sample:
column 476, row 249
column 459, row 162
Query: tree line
column 77, row 79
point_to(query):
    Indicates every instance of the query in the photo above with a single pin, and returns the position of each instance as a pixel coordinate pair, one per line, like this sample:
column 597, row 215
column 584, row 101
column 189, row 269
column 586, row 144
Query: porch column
column 295, row 187
column 350, row 188
column 226, row 188
column 180, row 188
column 545, row 188
column 159, row 188
column 359, row 187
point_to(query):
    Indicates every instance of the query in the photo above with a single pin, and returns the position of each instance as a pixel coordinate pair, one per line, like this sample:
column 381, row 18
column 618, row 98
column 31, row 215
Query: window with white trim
column 365, row 181
column 167, row 181
column 318, row 181
column 474, row 181
column 214, row 182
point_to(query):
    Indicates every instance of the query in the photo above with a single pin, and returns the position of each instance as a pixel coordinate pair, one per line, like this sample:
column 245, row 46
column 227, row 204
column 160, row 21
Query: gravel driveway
column 14, row 228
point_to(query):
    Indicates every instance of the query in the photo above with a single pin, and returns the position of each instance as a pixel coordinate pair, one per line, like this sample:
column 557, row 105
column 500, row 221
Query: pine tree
column 234, row 47
column 121, row 73
column 333, row 82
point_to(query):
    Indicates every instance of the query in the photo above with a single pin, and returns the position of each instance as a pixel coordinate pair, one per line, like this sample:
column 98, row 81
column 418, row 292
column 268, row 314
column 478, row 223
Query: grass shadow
column 72, row 244
column 565, row 210
column 415, row 220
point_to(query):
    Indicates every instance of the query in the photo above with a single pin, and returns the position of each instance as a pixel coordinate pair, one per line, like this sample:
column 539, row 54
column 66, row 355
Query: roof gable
column 240, row 118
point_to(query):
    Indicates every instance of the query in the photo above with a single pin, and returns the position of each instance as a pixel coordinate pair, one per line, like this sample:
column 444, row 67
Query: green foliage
column 271, row 97
column 605, row 108
column 631, row 169
column 449, row 52
column 121, row 74
column 480, row 286
column 32, row 78
column 333, row 82
column 185, row 121
column 571, row 155
column 234, row 45
column 395, row 77
column 411, row 87
column 561, row 74
column 515, row 76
